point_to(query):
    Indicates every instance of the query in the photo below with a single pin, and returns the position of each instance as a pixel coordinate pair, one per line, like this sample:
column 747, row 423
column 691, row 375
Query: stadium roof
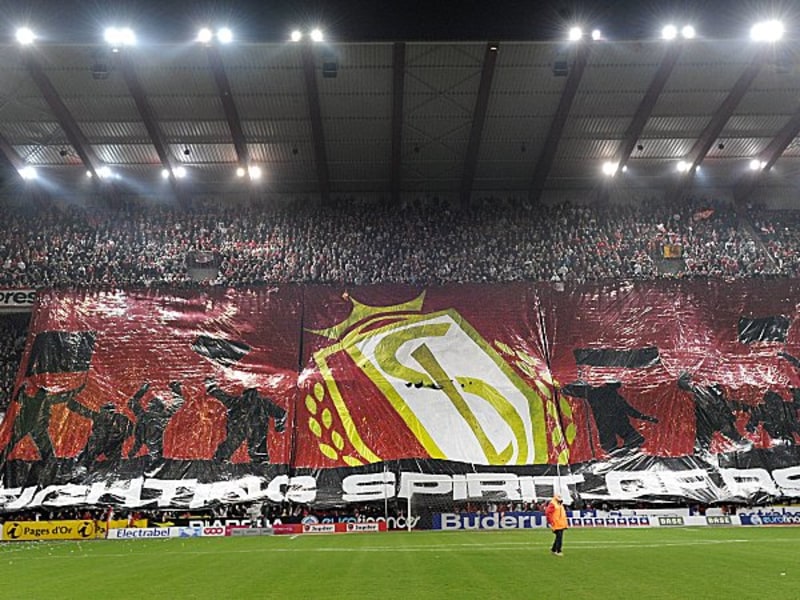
column 527, row 118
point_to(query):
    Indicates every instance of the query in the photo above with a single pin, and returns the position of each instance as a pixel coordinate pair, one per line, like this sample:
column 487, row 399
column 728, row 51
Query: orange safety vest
column 556, row 516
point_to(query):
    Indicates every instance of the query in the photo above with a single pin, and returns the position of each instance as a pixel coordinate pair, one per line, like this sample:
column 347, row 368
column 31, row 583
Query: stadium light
column 682, row 166
column 117, row 37
column 688, row 32
column 610, row 168
column 669, row 32
column 757, row 165
column 28, row 173
column 317, row 35
column 597, row 35
column 240, row 172
column 205, row 35
column 296, row 35
column 164, row 173
column 574, row 34
column 25, row 36
column 224, row 35
column 254, row 171
column 104, row 172
column 180, row 172
column 767, row 31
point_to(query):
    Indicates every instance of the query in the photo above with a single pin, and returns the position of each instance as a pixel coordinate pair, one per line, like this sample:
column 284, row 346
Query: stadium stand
column 421, row 243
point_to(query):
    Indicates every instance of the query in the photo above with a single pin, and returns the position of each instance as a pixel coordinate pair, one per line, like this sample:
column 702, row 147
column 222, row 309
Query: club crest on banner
column 455, row 392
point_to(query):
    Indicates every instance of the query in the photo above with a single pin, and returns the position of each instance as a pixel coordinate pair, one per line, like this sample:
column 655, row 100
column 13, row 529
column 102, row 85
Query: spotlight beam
column 718, row 120
column 228, row 104
column 315, row 116
column 647, row 104
column 148, row 118
column 769, row 156
column 545, row 162
column 478, row 119
column 65, row 119
column 8, row 152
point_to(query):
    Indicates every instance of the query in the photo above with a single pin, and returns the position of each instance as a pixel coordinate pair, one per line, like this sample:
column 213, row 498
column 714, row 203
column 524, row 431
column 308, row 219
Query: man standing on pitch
column 557, row 519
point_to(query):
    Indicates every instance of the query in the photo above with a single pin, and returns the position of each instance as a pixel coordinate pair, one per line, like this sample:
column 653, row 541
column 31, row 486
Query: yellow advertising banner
column 28, row 531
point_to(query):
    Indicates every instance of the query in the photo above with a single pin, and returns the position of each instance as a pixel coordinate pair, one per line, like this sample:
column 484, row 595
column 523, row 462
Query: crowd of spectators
column 779, row 231
column 12, row 342
column 426, row 242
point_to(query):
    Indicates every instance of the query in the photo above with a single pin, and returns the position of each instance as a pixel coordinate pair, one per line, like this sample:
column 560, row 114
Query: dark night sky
column 368, row 20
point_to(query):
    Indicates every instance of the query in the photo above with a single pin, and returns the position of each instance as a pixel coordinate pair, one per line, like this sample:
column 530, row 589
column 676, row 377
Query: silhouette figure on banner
column 248, row 418
column 33, row 418
column 612, row 414
column 712, row 413
column 776, row 416
column 151, row 423
column 110, row 429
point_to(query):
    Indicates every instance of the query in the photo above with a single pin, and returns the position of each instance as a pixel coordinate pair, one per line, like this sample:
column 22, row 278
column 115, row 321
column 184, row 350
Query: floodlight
column 117, row 37
column 683, row 166
column 296, row 35
column 767, row 31
column 317, row 35
column 240, row 172
column 25, row 36
column 254, row 171
column 597, row 35
column 610, row 168
column 688, row 32
column 89, row 174
column 28, row 173
column 104, row 172
column 574, row 34
column 205, row 35
column 128, row 37
column 669, row 32
column 224, row 35
column 757, row 165
column 180, row 172
column 164, row 173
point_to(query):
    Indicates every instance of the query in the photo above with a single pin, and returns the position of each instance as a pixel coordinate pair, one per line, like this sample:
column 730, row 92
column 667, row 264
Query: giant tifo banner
column 657, row 391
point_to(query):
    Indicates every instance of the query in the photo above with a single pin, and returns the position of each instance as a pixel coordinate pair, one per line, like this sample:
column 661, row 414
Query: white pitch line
column 503, row 547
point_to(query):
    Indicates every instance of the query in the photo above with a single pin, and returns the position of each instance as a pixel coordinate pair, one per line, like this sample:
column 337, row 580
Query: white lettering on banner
column 23, row 500
column 632, row 484
column 678, row 483
column 552, row 484
column 788, row 480
column 65, row 495
column 170, row 488
column 745, row 482
column 129, row 492
column 479, row 483
column 372, row 486
column 141, row 492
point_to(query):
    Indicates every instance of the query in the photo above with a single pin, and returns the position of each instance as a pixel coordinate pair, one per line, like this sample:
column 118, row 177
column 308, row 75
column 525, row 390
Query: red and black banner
column 659, row 391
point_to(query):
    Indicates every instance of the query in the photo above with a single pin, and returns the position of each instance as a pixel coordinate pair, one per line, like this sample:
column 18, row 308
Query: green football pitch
column 678, row 563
